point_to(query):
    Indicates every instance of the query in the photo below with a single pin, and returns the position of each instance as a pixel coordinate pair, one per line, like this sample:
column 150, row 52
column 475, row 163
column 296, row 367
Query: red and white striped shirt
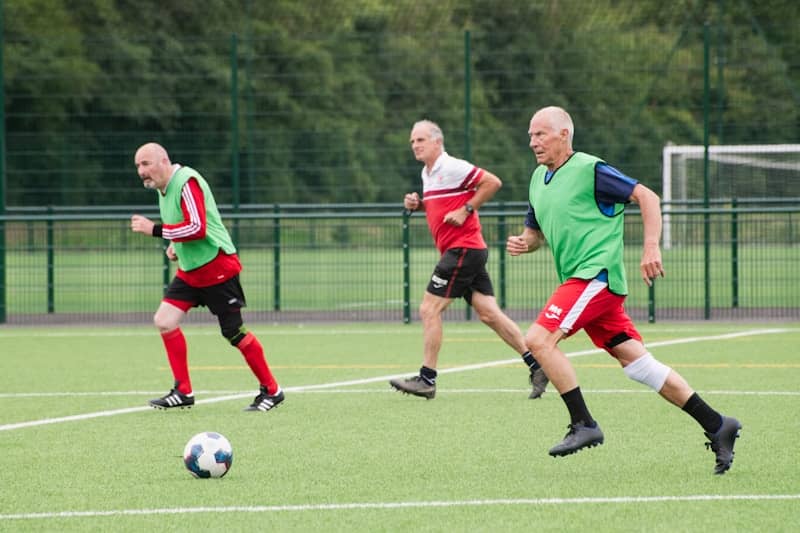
column 448, row 186
column 193, row 227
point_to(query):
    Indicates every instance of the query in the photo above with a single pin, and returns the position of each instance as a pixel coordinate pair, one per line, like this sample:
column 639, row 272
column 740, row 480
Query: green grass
column 358, row 457
column 339, row 279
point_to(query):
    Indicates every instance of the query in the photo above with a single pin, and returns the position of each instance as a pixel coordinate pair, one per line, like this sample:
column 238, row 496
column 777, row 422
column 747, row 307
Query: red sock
column 175, row 343
column 253, row 353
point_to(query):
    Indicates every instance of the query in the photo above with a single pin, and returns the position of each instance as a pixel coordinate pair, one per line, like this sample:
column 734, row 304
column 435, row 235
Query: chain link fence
column 349, row 263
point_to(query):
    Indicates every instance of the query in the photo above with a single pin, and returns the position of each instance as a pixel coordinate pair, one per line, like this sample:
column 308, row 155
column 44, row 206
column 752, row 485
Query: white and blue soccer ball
column 208, row 454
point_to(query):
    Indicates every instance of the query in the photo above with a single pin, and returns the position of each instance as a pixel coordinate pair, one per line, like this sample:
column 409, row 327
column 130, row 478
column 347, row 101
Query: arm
column 193, row 225
column 486, row 187
column 144, row 225
column 650, row 266
column 529, row 241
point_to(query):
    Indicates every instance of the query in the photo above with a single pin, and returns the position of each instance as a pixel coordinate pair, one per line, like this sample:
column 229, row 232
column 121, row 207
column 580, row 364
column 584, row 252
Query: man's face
column 547, row 143
column 424, row 147
column 151, row 169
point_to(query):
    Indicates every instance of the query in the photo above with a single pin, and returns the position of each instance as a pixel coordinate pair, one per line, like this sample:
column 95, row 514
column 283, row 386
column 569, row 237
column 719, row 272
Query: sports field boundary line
column 623, row 500
column 484, row 390
column 363, row 381
column 196, row 330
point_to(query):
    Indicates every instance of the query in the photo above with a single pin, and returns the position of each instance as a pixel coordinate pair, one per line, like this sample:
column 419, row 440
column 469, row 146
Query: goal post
column 736, row 173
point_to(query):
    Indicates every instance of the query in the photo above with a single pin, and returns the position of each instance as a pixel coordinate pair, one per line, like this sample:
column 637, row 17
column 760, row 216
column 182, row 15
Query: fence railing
column 371, row 262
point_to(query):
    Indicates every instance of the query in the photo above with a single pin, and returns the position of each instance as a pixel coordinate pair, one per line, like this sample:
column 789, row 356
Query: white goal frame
column 731, row 153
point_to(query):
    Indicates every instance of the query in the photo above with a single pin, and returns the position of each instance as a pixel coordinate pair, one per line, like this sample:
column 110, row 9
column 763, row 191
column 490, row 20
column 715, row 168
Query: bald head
column 152, row 151
column 558, row 119
column 551, row 132
column 153, row 166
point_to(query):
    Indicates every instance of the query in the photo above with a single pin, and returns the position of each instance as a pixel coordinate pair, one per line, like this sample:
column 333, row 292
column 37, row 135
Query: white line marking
column 204, row 330
column 405, row 505
column 300, row 390
column 322, row 386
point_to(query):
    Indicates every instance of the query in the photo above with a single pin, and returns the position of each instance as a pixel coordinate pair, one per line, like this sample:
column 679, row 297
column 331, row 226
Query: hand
column 516, row 245
column 651, row 266
column 456, row 217
column 412, row 201
column 171, row 255
column 141, row 224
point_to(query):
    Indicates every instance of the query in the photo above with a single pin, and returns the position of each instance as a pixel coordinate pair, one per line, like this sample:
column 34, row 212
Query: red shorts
column 589, row 305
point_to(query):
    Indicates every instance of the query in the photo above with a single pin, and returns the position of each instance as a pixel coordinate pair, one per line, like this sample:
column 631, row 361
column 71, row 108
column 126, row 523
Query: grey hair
column 432, row 127
column 560, row 120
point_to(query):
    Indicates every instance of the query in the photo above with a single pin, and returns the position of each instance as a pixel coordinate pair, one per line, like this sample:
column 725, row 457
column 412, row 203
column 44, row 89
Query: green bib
column 196, row 253
column 583, row 239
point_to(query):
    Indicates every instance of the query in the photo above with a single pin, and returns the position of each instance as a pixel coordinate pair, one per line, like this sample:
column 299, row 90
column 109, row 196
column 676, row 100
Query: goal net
column 746, row 174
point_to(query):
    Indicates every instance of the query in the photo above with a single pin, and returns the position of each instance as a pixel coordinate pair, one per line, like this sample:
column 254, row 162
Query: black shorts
column 460, row 272
column 218, row 298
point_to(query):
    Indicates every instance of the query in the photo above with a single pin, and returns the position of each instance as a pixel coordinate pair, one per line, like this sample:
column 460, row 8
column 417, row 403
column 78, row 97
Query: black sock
column 530, row 361
column 578, row 412
column 703, row 413
column 428, row 374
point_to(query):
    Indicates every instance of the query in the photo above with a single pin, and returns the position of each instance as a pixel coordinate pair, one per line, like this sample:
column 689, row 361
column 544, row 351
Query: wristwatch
column 469, row 208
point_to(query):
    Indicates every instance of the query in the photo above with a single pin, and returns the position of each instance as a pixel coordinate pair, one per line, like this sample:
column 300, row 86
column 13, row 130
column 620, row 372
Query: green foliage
column 327, row 91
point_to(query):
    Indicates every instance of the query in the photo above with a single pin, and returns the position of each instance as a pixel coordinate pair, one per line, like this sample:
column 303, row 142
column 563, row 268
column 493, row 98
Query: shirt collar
column 436, row 164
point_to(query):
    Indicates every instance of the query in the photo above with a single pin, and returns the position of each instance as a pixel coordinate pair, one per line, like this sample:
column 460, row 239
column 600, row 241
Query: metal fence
column 277, row 117
column 370, row 262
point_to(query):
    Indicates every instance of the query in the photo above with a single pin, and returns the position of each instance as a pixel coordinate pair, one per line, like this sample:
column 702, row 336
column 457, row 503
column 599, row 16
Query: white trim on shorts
column 592, row 289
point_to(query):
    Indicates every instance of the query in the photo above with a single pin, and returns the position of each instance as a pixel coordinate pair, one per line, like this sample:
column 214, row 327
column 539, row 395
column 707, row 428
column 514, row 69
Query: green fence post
column 706, row 214
column 406, row 267
column 3, row 290
column 235, row 136
column 651, row 303
column 501, row 248
column 51, row 306
column 276, row 258
column 734, row 254
column 164, row 266
column 467, row 119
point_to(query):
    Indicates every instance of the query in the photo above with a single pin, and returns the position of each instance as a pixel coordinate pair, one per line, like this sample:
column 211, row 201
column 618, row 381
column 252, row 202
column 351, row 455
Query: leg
column 722, row 431
column 167, row 319
column 232, row 328
column 572, row 306
column 424, row 384
column 430, row 311
column 544, row 344
column 451, row 279
column 226, row 300
column 674, row 388
column 491, row 315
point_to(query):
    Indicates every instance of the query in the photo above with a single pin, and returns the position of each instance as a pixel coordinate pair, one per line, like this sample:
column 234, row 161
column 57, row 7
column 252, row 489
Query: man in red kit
column 453, row 191
column 208, row 274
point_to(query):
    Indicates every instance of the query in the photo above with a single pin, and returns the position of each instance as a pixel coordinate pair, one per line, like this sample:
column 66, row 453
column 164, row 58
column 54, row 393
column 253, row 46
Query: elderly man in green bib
column 208, row 274
column 576, row 204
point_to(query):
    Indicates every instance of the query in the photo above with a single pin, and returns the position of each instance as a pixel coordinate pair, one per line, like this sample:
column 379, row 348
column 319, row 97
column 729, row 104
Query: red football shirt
column 448, row 186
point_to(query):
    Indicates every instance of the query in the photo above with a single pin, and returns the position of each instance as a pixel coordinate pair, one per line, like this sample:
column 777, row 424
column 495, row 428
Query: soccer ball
column 208, row 454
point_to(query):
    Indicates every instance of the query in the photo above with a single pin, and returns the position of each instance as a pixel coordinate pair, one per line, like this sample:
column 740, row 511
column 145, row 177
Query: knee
column 232, row 328
column 164, row 323
column 489, row 317
column 537, row 340
column 649, row 371
column 427, row 311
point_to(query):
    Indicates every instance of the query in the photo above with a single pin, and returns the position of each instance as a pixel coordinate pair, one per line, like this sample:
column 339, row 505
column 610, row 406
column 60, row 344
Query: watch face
column 469, row 208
